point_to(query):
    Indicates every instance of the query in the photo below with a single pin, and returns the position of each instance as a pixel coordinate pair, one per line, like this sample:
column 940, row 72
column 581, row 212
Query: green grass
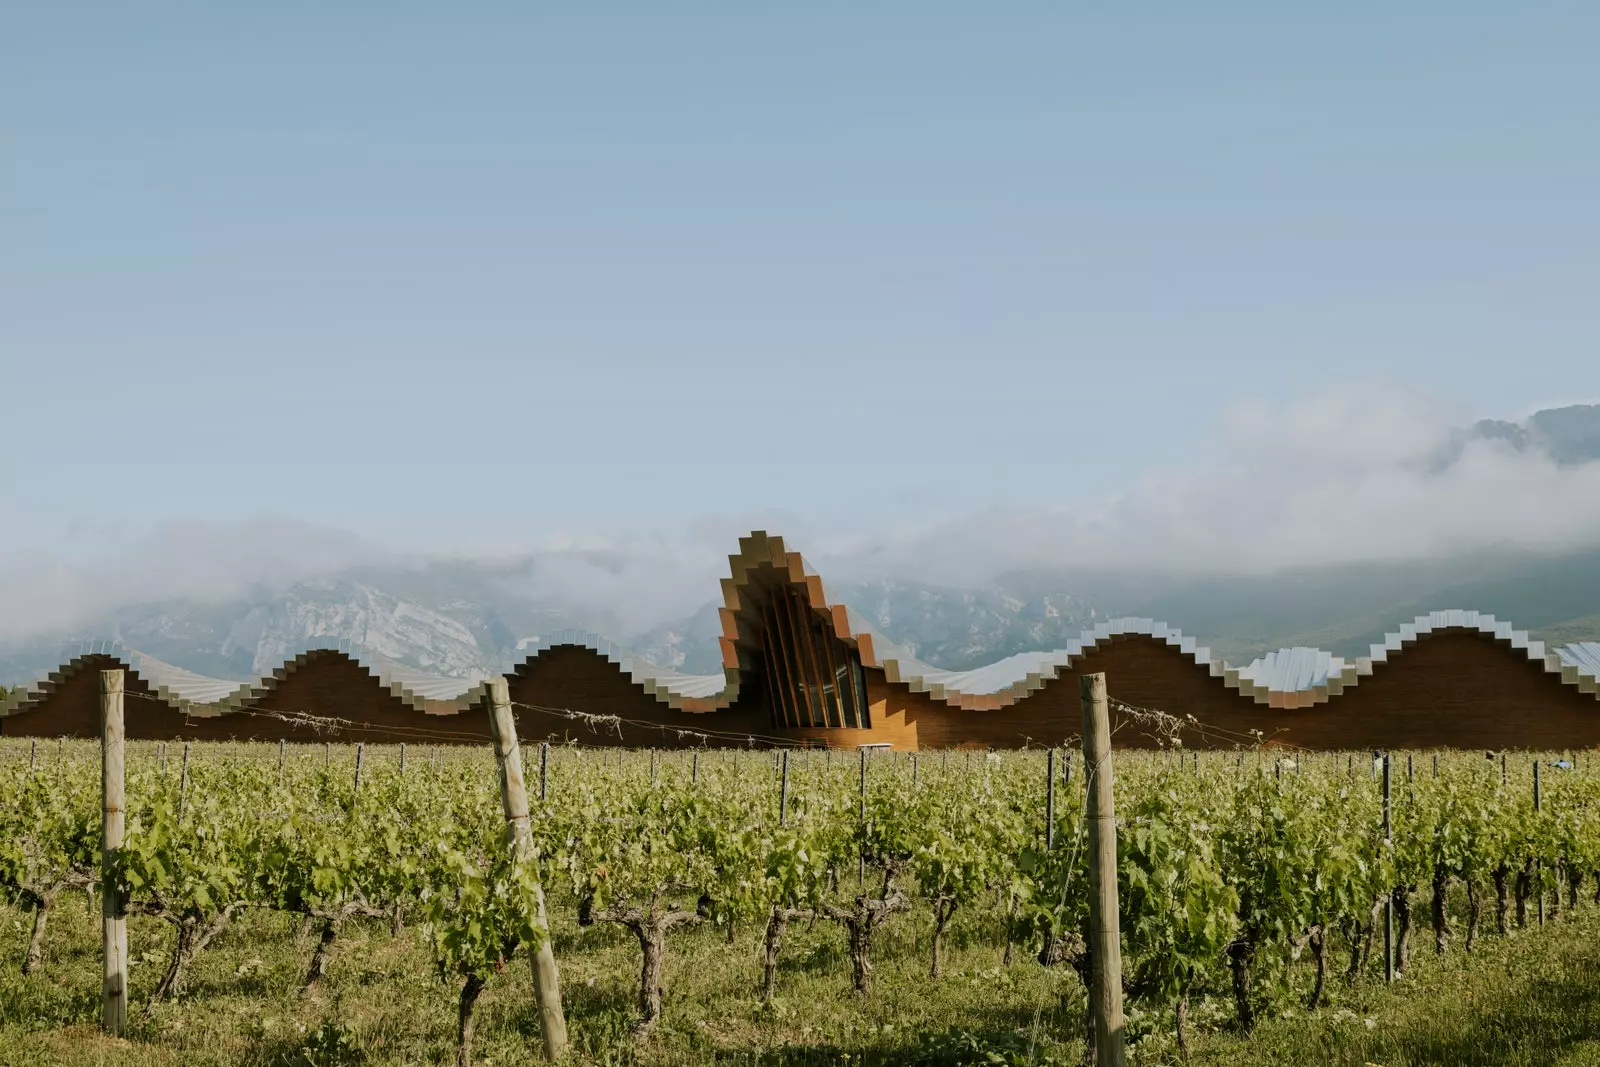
column 1530, row 999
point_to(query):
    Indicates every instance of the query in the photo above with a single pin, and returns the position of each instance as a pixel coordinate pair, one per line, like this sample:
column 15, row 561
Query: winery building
column 799, row 668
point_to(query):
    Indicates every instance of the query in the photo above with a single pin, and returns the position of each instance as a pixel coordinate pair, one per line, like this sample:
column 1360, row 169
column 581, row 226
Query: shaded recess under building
column 800, row 669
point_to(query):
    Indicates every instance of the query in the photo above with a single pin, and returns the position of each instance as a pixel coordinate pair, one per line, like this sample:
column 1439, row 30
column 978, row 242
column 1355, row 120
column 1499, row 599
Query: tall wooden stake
column 183, row 782
column 113, row 910
column 1105, row 931
column 361, row 748
column 783, row 792
column 862, row 868
column 1050, row 799
column 402, row 759
column 1388, row 902
column 544, row 771
column 1538, row 805
column 514, row 799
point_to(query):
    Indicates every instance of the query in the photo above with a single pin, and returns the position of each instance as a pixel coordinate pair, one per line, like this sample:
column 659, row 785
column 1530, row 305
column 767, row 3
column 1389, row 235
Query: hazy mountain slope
column 458, row 622
column 468, row 617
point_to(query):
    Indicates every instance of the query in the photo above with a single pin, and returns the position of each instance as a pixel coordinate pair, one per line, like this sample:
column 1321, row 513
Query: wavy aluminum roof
column 1583, row 657
column 1293, row 670
column 190, row 691
column 1289, row 677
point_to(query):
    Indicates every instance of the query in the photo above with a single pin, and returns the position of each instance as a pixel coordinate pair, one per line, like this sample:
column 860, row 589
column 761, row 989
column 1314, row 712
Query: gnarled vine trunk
column 1356, row 937
column 192, row 937
column 861, row 921
column 1402, row 916
column 777, row 922
column 943, row 909
column 1501, row 898
column 1241, row 953
column 1439, row 912
column 650, row 925
column 1319, row 956
column 1524, row 889
column 470, row 990
column 319, row 958
column 42, row 903
column 1474, row 912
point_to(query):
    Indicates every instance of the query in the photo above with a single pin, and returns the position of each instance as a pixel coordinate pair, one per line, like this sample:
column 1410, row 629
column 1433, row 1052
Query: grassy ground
column 1530, row 999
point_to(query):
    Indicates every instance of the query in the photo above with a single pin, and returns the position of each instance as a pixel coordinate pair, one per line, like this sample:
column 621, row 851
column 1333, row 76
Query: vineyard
column 1251, row 884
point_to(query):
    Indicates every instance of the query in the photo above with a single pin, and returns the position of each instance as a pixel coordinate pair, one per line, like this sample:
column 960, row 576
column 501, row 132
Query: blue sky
column 464, row 275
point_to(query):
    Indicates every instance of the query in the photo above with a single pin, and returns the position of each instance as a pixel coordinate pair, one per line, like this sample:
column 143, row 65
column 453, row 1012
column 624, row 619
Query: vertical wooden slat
column 791, row 660
column 834, row 713
column 776, row 715
column 783, row 669
column 858, row 678
column 802, row 659
column 798, row 606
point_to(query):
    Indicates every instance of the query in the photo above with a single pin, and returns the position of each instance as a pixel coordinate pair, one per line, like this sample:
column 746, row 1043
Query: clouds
column 1348, row 475
column 44, row 591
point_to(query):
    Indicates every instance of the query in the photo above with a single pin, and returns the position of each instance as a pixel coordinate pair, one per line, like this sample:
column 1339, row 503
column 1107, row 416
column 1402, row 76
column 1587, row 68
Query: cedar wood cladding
column 1449, row 688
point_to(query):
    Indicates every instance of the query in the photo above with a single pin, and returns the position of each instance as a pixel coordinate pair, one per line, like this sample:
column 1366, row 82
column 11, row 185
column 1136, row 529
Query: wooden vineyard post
column 1105, row 933
column 361, row 748
column 514, row 799
column 1388, row 902
column 694, row 768
column 113, row 909
column 544, row 771
column 183, row 782
column 1538, row 805
column 862, row 866
column 281, row 746
column 783, row 792
column 402, row 759
column 1050, row 800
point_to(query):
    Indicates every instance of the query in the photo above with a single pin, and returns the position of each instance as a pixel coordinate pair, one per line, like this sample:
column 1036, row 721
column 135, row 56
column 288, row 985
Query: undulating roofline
column 1288, row 677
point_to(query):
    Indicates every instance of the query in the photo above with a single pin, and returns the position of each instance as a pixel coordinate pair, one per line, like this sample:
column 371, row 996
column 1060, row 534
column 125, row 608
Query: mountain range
column 467, row 618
